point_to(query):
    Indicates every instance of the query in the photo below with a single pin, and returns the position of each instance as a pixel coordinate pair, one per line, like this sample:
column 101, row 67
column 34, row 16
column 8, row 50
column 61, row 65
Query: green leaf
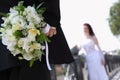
column 20, row 8
column 3, row 14
column 41, row 38
column 41, row 10
column 18, row 34
column 39, row 5
column 47, row 39
column 37, row 53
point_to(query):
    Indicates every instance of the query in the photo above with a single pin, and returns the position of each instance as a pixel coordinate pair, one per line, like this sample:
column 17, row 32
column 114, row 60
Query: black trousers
column 4, row 75
column 38, row 71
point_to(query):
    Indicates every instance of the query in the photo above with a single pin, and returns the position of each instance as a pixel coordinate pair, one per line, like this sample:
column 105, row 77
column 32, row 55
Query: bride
column 94, row 57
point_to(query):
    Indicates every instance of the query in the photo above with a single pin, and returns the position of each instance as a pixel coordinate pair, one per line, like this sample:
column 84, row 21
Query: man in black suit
column 59, row 52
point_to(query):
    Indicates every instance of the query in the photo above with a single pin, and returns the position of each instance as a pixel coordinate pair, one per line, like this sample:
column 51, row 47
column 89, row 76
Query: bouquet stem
column 31, row 63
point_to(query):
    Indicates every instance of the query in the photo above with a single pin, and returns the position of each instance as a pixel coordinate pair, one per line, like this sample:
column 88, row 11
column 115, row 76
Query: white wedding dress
column 96, row 70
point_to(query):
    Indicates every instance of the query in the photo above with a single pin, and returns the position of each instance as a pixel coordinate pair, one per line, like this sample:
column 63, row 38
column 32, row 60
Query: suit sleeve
column 52, row 13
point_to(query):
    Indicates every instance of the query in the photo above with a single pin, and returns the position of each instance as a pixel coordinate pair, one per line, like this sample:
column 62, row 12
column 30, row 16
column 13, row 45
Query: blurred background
column 104, row 17
column 96, row 12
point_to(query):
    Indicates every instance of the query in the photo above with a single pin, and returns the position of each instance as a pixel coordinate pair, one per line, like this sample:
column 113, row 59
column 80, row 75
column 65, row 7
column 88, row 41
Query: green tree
column 114, row 19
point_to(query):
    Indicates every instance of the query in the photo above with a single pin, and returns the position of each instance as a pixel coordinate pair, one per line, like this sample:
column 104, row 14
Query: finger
column 55, row 32
column 51, row 33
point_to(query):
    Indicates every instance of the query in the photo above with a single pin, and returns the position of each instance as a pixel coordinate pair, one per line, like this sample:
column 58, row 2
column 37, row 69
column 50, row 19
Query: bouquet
column 21, row 31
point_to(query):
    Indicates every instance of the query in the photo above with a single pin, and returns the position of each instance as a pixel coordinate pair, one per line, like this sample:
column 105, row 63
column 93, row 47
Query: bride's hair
column 91, row 32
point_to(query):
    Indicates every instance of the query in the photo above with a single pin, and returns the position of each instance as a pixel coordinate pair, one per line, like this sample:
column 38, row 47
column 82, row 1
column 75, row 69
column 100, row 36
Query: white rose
column 11, row 46
column 8, row 38
column 32, row 37
column 12, row 13
column 32, row 15
column 30, row 25
column 19, row 20
column 27, row 56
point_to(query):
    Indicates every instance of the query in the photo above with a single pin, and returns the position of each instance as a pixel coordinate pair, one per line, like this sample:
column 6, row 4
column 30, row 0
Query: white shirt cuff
column 46, row 29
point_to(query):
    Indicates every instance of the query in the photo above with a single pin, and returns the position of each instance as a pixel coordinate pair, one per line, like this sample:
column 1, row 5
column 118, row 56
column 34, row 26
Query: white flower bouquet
column 21, row 31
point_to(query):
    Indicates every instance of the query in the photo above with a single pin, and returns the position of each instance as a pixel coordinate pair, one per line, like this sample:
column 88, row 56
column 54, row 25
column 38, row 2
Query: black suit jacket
column 58, row 48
